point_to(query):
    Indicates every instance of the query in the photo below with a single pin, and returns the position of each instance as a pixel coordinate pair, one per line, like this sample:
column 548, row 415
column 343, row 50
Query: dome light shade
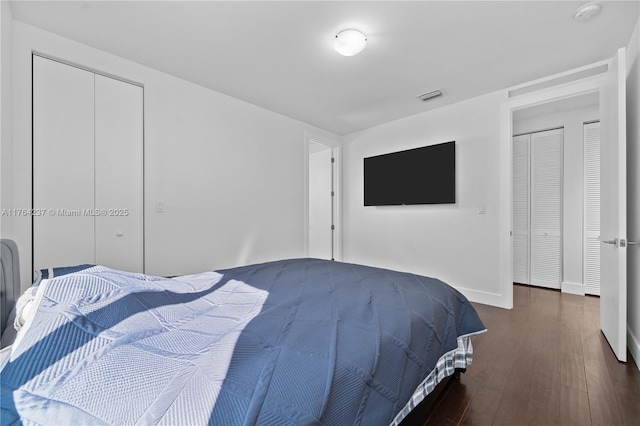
column 349, row 42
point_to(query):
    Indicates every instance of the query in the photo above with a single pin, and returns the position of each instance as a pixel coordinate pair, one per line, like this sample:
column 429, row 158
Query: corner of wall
column 633, row 191
column 6, row 117
column 633, row 344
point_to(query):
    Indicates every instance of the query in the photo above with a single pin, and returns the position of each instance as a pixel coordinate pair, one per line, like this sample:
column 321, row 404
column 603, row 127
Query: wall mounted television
column 425, row 175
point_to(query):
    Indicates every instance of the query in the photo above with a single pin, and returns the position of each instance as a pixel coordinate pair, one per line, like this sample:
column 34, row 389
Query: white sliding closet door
column 520, row 208
column 63, row 179
column 546, row 208
column 87, row 168
column 591, row 251
column 537, row 208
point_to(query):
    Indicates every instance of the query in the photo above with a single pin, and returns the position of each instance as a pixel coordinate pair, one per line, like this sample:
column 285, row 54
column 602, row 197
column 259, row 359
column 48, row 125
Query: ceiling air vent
column 564, row 78
column 430, row 95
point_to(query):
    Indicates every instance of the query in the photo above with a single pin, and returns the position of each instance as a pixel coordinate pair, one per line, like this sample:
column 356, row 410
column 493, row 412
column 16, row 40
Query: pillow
column 59, row 271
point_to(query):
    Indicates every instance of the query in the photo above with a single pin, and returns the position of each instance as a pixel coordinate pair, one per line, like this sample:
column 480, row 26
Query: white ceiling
column 278, row 55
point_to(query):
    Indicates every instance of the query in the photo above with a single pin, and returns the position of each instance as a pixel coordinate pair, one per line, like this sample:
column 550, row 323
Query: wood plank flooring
column 545, row 362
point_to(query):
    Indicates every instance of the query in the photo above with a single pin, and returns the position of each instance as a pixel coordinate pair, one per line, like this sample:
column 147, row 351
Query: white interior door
column 591, row 251
column 320, row 201
column 613, row 220
column 62, row 177
column 546, row 208
column 520, row 208
column 118, row 174
column 87, row 168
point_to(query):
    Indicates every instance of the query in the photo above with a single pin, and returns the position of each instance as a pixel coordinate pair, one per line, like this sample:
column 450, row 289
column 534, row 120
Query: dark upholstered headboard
column 10, row 279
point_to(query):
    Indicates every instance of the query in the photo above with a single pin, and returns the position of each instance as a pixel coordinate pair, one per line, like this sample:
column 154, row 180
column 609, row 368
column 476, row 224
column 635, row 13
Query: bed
column 297, row 341
column 9, row 289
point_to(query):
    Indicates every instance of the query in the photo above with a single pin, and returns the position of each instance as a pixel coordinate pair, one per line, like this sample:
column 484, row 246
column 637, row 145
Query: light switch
column 160, row 206
column 482, row 209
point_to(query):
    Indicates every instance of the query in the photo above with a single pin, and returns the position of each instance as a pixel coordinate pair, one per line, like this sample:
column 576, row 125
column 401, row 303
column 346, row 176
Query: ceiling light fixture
column 349, row 42
column 587, row 11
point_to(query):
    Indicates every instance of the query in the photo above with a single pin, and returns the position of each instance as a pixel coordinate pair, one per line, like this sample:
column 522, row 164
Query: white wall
column 633, row 191
column 452, row 242
column 573, row 189
column 6, row 125
column 231, row 174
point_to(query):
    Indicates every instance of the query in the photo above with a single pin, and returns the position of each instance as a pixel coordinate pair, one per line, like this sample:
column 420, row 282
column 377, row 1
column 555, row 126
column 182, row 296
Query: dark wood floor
column 545, row 362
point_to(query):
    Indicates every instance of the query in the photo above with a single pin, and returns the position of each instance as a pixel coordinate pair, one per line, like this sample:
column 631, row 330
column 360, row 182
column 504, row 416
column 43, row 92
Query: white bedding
column 20, row 318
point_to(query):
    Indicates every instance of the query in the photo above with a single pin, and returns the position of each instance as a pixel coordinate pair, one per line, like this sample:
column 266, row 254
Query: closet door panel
column 591, row 259
column 546, row 208
column 546, row 264
column 118, row 174
column 520, row 208
column 63, row 153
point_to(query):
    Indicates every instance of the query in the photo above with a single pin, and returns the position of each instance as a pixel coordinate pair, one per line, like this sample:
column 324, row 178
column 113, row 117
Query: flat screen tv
column 425, row 175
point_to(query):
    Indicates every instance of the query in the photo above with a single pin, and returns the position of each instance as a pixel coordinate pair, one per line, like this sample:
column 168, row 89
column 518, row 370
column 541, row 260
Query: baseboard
column 573, row 288
column 633, row 343
column 486, row 298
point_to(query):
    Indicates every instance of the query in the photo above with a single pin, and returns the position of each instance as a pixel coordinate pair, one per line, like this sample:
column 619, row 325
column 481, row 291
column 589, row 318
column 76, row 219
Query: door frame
column 571, row 83
column 336, row 151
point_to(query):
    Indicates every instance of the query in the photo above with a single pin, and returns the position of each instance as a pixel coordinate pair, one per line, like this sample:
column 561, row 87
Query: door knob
column 612, row 242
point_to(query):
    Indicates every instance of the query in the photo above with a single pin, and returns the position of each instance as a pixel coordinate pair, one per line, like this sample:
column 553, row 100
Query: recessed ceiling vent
column 566, row 78
column 430, row 95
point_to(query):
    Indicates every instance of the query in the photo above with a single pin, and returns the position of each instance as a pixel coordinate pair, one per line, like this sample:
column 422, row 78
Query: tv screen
column 425, row 175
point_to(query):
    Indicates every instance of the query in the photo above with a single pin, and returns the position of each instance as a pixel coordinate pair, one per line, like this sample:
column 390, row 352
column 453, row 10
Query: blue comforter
column 302, row 341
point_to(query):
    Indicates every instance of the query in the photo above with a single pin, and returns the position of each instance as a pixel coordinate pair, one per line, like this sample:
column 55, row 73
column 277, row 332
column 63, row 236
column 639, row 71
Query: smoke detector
column 587, row 11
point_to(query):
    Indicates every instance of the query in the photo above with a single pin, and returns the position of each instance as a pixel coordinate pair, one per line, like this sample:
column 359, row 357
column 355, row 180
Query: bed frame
column 9, row 280
column 421, row 413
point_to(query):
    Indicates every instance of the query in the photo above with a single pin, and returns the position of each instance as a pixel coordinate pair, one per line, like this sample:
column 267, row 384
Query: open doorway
column 543, row 93
column 555, row 201
column 322, row 224
column 608, row 80
column 321, row 193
